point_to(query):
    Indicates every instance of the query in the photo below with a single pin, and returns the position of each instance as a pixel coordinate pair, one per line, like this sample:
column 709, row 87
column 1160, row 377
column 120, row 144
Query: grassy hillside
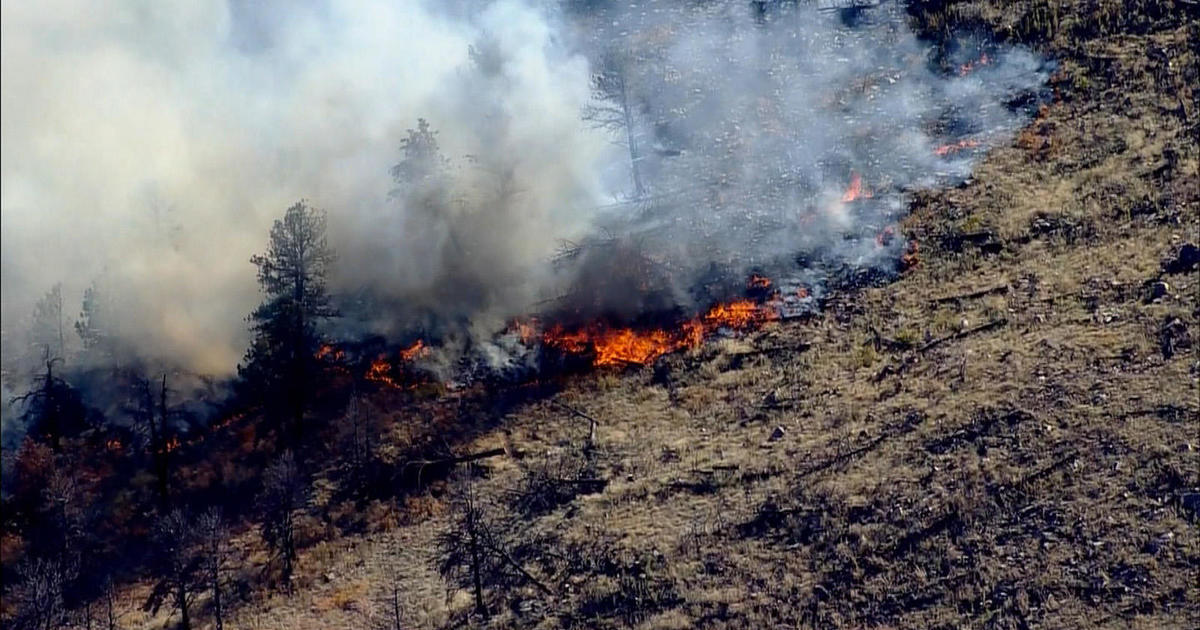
column 1005, row 437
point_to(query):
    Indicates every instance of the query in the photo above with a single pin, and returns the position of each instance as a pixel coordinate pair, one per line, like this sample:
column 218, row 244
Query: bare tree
column 110, row 596
column 283, row 496
column 477, row 550
column 155, row 414
column 391, row 602
column 178, row 564
column 52, row 408
column 359, row 438
column 39, row 595
column 216, row 557
column 614, row 112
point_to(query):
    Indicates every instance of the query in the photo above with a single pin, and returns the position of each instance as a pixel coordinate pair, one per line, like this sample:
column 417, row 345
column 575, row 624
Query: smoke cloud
column 148, row 146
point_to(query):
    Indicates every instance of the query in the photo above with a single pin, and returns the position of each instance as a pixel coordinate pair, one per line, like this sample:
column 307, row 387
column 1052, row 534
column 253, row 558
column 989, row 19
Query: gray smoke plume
column 593, row 158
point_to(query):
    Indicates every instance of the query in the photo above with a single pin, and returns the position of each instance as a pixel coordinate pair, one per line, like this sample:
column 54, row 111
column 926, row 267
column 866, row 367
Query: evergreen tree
column 47, row 335
column 280, row 365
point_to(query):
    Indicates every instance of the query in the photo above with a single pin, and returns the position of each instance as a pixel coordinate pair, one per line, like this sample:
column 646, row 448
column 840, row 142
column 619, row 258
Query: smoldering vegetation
column 575, row 160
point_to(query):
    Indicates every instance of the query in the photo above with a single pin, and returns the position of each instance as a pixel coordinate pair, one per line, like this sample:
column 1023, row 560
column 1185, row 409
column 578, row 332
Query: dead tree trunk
column 476, row 554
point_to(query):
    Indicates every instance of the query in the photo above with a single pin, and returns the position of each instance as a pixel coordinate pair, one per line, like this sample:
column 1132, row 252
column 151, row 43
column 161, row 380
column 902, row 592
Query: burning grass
column 617, row 346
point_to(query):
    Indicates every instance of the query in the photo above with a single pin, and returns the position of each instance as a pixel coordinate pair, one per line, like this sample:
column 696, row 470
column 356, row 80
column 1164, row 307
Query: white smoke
column 151, row 144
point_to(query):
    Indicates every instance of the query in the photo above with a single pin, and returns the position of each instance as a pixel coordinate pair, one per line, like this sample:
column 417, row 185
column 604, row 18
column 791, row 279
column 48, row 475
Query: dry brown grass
column 1028, row 476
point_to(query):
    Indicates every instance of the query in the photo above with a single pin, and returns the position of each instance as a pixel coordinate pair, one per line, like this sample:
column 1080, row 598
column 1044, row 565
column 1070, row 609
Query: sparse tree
column 463, row 548
column 422, row 159
column 38, row 596
column 178, row 563
column 91, row 326
column 358, row 442
column 53, row 409
column 154, row 414
column 281, row 362
column 47, row 338
column 283, row 496
column 477, row 551
column 613, row 111
column 216, row 557
column 110, row 612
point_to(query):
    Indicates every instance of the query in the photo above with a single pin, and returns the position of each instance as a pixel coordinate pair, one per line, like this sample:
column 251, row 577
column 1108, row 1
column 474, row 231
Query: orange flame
column 855, row 190
column 758, row 282
column 968, row 67
column 381, row 372
column 221, row 424
column 381, row 369
column 526, row 329
column 912, row 257
column 327, row 351
column 170, row 445
column 738, row 314
column 113, row 445
column 884, row 237
column 947, row 149
column 624, row 346
column 415, row 351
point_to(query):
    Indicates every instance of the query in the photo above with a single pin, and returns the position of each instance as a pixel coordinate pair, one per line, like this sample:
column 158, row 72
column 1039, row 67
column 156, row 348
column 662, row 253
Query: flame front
column 329, row 352
column 855, row 190
column 415, row 351
column 947, row 149
column 624, row 346
column 968, row 67
column 381, row 370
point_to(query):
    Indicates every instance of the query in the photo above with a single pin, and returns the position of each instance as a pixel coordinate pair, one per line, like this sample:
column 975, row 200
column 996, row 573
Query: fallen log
column 593, row 422
column 1000, row 288
column 454, row 461
column 963, row 333
column 449, row 462
column 594, row 483
column 520, row 569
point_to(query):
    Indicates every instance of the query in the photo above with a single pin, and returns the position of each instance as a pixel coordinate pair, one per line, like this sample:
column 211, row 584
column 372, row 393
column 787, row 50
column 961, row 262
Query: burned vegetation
column 913, row 344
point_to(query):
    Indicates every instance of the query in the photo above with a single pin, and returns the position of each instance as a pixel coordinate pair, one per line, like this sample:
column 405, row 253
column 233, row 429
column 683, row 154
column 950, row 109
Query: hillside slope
column 1005, row 437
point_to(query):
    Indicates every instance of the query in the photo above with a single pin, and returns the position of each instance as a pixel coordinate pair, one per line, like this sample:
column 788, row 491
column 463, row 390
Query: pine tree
column 280, row 365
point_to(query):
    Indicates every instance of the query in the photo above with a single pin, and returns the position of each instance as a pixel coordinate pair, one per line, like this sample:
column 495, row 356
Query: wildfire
column 738, row 314
column 171, row 445
column 623, row 346
column 525, row 329
column 415, row 351
column 911, row 257
column 855, row 190
column 380, row 370
column 221, row 424
column 968, row 67
column 630, row 346
column 955, row 147
column 327, row 351
column 758, row 282
column 884, row 238
column 114, row 445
